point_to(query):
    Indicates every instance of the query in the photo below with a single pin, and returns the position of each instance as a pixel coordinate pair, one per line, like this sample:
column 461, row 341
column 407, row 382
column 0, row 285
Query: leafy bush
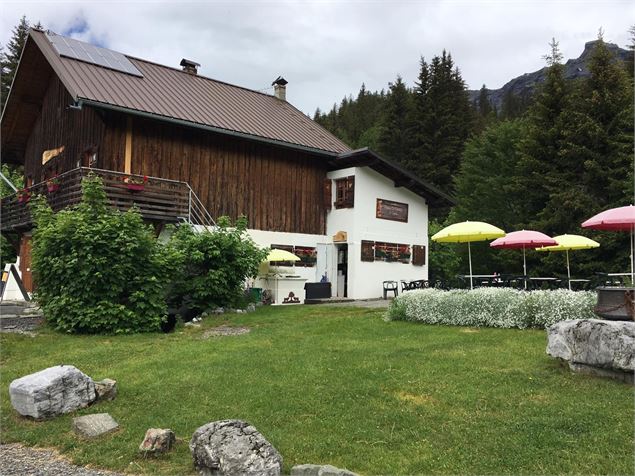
column 214, row 265
column 493, row 307
column 96, row 269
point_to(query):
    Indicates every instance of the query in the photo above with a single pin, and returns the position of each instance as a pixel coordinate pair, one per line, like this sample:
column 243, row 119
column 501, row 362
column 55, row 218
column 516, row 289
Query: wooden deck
column 160, row 200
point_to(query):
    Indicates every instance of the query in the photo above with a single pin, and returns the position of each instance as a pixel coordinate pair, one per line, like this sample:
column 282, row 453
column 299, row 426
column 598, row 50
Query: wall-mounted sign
column 389, row 210
column 340, row 236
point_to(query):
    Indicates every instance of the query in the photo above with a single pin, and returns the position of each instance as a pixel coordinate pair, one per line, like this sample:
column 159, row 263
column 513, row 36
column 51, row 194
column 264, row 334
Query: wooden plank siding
column 57, row 125
column 278, row 189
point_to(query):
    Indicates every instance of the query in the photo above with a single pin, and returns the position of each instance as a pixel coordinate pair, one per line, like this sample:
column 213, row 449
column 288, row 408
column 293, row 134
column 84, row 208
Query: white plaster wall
column 267, row 238
column 365, row 278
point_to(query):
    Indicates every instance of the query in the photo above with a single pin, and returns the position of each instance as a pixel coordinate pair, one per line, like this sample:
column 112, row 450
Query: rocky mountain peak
column 524, row 85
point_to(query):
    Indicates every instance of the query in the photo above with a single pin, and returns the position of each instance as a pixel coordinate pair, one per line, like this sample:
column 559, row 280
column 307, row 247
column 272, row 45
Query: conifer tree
column 10, row 58
column 394, row 138
column 630, row 61
column 543, row 140
column 443, row 120
column 484, row 104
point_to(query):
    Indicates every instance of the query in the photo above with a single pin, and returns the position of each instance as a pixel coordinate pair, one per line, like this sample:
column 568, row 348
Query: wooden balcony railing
column 160, row 200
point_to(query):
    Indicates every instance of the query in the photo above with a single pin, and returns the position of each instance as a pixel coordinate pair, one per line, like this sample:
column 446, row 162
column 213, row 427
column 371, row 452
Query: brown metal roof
column 170, row 93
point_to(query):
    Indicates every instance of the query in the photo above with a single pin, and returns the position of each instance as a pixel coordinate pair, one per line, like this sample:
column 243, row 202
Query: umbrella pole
column 632, row 260
column 525, row 267
column 568, row 271
column 469, row 253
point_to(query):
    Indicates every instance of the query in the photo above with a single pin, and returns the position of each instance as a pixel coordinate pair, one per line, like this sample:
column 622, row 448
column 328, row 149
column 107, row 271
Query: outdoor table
column 550, row 283
column 580, row 283
column 483, row 279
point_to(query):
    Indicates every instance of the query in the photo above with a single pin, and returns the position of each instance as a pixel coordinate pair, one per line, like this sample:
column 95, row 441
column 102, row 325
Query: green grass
column 340, row 386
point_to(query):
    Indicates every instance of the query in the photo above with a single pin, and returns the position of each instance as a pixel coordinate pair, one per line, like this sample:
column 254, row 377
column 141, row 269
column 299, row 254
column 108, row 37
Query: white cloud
column 326, row 49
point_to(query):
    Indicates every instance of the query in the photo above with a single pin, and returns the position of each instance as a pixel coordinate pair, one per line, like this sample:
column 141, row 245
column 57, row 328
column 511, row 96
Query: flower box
column 135, row 184
column 52, row 187
column 135, row 187
column 23, row 196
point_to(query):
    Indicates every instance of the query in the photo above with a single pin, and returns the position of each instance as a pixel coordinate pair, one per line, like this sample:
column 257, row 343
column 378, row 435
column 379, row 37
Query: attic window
column 345, row 192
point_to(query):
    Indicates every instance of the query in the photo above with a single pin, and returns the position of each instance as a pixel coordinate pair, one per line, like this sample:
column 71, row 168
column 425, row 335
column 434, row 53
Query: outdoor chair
column 603, row 279
column 390, row 286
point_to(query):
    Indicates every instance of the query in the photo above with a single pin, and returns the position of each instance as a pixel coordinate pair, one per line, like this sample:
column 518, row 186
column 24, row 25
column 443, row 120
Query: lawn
column 340, row 386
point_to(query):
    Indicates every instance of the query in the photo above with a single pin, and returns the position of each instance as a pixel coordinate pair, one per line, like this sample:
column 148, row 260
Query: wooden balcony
column 159, row 200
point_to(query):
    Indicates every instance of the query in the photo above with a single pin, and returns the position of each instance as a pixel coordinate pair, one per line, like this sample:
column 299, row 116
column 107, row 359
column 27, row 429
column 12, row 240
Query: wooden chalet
column 180, row 146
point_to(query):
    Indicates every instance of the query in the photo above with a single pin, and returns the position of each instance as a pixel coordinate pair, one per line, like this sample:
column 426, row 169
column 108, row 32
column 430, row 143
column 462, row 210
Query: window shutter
column 368, row 250
column 418, row 255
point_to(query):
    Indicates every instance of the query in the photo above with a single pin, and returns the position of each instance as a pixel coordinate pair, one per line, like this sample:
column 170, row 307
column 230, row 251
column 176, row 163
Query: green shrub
column 493, row 307
column 214, row 265
column 96, row 269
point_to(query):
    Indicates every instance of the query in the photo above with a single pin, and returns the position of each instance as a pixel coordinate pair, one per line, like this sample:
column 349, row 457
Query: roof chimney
column 280, row 88
column 189, row 66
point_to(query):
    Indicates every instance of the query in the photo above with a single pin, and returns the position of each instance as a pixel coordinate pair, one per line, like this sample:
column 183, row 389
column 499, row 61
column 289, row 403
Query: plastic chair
column 390, row 286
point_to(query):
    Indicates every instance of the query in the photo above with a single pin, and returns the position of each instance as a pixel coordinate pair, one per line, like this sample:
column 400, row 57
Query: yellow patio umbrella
column 568, row 243
column 467, row 232
column 281, row 255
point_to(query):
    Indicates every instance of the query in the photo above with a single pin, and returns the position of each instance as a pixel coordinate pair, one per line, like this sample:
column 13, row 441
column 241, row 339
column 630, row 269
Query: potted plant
column 23, row 195
column 405, row 257
column 135, row 184
column 53, row 184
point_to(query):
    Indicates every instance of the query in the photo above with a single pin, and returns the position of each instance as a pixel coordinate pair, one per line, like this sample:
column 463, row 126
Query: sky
column 327, row 49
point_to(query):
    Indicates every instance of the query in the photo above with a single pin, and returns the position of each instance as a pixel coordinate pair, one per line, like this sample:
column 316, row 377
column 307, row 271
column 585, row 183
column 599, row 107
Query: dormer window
column 345, row 192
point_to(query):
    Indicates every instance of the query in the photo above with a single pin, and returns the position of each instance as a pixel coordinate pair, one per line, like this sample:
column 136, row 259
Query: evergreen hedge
column 493, row 307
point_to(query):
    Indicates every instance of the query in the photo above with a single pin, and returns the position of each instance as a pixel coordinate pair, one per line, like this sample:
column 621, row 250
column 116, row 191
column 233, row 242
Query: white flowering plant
column 493, row 307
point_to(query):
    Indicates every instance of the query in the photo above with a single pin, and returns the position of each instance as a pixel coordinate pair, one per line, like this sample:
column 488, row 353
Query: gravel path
column 18, row 460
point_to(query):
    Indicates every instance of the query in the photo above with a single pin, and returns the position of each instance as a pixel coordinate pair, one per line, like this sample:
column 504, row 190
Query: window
column 345, row 192
column 393, row 252
column 307, row 255
column 368, row 250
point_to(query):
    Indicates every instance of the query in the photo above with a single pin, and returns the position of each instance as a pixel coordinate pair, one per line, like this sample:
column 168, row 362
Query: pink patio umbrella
column 616, row 219
column 523, row 239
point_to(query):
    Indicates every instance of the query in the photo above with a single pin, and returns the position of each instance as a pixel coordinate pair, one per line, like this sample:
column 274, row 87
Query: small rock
column 240, row 311
column 251, row 307
column 106, row 389
column 218, row 310
column 157, row 441
column 92, row 426
column 52, row 392
column 192, row 324
column 233, row 447
column 319, row 470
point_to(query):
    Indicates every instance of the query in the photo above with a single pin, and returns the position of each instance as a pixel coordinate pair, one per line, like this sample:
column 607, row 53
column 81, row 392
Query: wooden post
column 127, row 167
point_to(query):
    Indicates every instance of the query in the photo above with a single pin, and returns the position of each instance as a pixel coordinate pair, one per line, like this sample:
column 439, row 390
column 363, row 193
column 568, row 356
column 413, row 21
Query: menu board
column 389, row 210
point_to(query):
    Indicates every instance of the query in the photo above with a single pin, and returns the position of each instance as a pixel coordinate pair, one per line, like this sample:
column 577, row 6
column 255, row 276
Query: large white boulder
column 233, row 447
column 595, row 346
column 52, row 392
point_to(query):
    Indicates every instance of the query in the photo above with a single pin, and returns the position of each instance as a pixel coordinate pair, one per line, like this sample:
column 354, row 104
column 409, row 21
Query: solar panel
column 88, row 53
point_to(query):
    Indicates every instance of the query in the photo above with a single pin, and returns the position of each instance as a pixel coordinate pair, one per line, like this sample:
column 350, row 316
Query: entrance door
column 25, row 262
column 342, row 270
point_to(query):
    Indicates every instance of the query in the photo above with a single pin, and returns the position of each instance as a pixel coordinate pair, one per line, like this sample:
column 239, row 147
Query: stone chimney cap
column 280, row 81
